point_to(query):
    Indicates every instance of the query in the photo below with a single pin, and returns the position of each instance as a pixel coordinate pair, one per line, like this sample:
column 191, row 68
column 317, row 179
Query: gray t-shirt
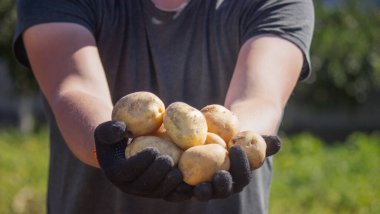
column 180, row 56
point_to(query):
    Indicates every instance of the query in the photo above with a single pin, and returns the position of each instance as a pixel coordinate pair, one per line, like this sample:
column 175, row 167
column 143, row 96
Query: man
column 85, row 55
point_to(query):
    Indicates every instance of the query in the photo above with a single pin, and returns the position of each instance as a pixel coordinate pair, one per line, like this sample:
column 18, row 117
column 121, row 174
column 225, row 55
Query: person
column 247, row 55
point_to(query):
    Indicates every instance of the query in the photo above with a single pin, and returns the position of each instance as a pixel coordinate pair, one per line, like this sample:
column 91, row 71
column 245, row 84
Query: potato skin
column 162, row 133
column 165, row 147
column 254, row 146
column 221, row 121
column 185, row 125
column 199, row 163
column 215, row 139
column 141, row 111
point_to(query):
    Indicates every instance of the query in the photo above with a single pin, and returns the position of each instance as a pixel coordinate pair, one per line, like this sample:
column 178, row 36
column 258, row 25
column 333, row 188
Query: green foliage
column 311, row 177
column 345, row 55
column 23, row 167
column 24, row 80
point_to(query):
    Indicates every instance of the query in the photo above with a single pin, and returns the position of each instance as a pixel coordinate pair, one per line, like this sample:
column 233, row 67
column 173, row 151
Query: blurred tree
column 25, row 86
column 24, row 80
column 345, row 55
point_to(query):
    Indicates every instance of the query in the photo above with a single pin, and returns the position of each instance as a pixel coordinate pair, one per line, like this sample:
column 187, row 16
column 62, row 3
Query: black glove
column 181, row 193
column 226, row 183
column 273, row 144
column 146, row 174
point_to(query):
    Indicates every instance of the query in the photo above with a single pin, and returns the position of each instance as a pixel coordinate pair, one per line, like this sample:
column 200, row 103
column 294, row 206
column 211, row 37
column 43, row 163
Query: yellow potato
column 141, row 111
column 254, row 146
column 221, row 121
column 199, row 163
column 185, row 125
column 215, row 139
column 162, row 133
column 164, row 147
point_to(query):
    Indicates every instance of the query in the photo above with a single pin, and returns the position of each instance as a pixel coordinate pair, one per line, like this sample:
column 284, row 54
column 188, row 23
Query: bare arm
column 66, row 64
column 266, row 73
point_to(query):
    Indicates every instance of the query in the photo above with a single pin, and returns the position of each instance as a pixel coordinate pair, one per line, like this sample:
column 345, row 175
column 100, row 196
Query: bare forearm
column 258, row 115
column 77, row 114
column 71, row 77
column 265, row 76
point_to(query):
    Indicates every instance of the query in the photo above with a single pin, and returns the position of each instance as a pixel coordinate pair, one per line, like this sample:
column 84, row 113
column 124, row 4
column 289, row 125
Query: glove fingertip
column 240, row 169
column 135, row 165
column 165, row 160
column 236, row 149
column 174, row 177
column 155, row 174
column 110, row 132
column 171, row 181
column 176, row 173
column 222, row 184
column 238, row 157
column 273, row 144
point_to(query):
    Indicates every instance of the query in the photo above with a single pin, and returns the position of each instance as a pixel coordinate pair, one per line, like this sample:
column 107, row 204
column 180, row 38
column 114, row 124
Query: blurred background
column 329, row 162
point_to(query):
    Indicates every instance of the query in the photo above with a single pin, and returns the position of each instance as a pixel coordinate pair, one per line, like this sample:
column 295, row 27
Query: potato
column 221, row 121
column 199, row 163
column 164, row 147
column 185, row 125
column 141, row 111
column 162, row 133
column 254, row 146
column 215, row 139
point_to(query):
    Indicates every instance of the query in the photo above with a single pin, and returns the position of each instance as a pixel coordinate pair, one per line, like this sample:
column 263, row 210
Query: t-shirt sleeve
column 34, row 12
column 292, row 20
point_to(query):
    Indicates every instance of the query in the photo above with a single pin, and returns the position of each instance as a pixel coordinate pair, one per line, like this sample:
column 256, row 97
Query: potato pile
column 197, row 140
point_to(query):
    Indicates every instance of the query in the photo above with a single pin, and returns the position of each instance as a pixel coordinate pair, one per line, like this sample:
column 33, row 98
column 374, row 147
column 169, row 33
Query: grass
column 23, row 167
column 309, row 176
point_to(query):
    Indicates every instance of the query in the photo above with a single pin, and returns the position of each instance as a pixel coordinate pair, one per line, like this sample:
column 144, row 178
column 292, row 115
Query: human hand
column 226, row 183
column 146, row 174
